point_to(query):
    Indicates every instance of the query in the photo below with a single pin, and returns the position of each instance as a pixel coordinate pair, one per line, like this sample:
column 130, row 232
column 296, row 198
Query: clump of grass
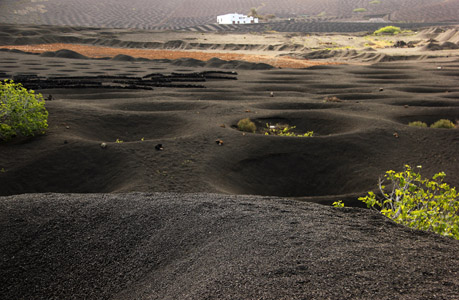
column 360, row 9
column 375, row 2
column 284, row 130
column 443, row 123
column 417, row 124
column 246, row 125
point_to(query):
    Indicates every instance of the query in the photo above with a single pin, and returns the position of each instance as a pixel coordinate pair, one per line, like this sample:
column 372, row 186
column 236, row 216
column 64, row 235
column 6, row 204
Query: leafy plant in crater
column 246, row 125
column 22, row 112
column 443, row 123
column 417, row 124
column 338, row 204
column 410, row 200
column 284, row 130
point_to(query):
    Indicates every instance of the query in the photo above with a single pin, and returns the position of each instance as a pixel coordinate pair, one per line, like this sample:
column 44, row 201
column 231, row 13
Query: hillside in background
column 175, row 14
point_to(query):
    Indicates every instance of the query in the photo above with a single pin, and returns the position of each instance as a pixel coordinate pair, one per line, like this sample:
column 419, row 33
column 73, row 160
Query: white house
column 236, row 19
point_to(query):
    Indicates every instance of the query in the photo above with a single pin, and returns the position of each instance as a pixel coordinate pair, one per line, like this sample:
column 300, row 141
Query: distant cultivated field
column 176, row 14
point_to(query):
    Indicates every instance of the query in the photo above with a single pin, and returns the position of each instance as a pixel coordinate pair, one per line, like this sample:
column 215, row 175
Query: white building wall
column 236, row 19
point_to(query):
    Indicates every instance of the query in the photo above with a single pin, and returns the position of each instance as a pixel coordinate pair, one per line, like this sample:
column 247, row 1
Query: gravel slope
column 210, row 246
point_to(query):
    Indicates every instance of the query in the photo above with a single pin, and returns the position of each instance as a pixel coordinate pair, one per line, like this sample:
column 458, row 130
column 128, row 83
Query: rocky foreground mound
column 210, row 246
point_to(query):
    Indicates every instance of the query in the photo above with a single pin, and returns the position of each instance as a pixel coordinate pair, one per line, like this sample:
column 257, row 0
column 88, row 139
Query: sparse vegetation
column 254, row 13
column 322, row 14
column 388, row 30
column 443, row 123
column 246, row 125
column 410, row 200
column 284, row 130
column 417, row 124
column 375, row 2
column 360, row 9
column 22, row 112
column 377, row 42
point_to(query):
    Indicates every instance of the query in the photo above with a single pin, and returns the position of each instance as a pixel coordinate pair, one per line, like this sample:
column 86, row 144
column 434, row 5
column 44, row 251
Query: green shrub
column 361, row 9
column 375, row 2
column 443, row 123
column 22, row 112
column 388, row 30
column 285, row 130
column 246, row 125
column 418, row 203
column 417, row 124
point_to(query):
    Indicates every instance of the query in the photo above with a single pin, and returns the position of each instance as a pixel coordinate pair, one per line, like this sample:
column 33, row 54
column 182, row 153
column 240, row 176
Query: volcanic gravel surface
column 209, row 246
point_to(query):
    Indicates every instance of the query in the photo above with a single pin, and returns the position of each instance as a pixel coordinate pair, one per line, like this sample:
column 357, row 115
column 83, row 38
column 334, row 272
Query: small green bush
column 417, row 124
column 246, row 125
column 410, row 200
column 388, row 30
column 285, row 130
column 443, row 123
column 375, row 2
column 360, row 9
column 22, row 112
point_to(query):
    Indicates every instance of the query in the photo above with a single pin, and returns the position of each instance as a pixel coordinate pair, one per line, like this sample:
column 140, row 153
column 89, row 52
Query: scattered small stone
column 219, row 142
column 271, row 94
column 159, row 147
column 67, row 127
column 248, row 110
column 381, row 89
column 395, row 135
column 50, row 97
column 66, row 142
column 332, row 99
column 222, row 125
column 103, row 145
column 406, row 106
column 438, row 68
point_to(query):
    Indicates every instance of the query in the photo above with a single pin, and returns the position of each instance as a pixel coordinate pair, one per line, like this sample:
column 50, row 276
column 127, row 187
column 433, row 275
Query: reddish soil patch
column 98, row 52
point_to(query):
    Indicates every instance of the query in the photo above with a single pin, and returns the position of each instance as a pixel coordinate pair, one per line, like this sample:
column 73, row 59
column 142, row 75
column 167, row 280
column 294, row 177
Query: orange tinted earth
column 98, row 52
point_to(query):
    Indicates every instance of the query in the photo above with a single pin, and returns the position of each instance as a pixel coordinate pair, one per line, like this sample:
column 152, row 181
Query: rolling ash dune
column 208, row 246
